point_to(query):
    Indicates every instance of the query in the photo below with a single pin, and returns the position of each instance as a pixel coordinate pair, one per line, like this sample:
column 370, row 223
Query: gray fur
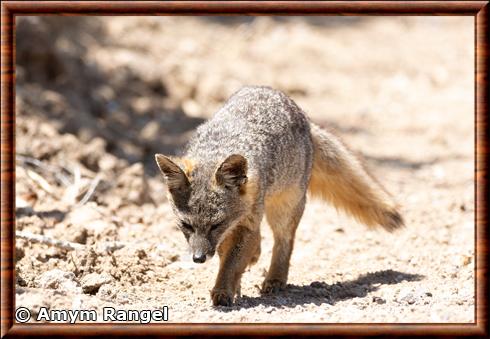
column 271, row 132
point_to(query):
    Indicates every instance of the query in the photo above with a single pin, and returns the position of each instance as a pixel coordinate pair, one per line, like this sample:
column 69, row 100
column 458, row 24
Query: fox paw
column 270, row 286
column 221, row 298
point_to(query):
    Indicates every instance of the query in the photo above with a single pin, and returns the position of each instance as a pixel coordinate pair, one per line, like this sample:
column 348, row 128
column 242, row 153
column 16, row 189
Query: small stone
column 141, row 254
column 379, row 300
column 122, row 298
column 150, row 131
column 85, row 214
column 57, row 279
column 97, row 226
column 409, row 299
column 76, row 234
column 19, row 253
column 192, row 108
column 108, row 162
column 270, row 309
column 106, row 292
column 93, row 281
column 19, row 280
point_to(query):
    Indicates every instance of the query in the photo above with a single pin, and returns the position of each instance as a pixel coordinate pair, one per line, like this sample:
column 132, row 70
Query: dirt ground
column 97, row 97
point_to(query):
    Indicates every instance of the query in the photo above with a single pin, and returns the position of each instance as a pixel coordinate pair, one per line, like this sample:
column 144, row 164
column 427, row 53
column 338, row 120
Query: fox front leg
column 236, row 252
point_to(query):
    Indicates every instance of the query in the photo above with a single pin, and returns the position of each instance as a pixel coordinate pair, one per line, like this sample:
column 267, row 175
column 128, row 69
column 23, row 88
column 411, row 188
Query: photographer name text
column 109, row 314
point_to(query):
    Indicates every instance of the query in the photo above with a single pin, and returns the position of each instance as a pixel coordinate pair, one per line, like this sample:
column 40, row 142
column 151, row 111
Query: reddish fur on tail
column 341, row 179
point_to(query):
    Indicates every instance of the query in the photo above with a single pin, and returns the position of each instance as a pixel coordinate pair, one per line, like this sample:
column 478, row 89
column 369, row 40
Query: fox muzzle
column 200, row 258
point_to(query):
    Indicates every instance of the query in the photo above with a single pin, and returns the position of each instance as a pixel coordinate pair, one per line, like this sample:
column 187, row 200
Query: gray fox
column 259, row 154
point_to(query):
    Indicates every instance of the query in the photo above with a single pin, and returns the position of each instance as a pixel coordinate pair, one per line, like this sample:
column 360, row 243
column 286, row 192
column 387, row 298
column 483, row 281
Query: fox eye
column 216, row 226
column 187, row 226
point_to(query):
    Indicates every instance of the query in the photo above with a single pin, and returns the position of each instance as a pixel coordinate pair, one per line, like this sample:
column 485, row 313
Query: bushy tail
column 341, row 179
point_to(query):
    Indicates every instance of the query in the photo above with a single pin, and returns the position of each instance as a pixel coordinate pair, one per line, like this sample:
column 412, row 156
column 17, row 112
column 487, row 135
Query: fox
column 260, row 155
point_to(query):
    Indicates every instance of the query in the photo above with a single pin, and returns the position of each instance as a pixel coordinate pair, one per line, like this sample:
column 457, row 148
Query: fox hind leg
column 283, row 213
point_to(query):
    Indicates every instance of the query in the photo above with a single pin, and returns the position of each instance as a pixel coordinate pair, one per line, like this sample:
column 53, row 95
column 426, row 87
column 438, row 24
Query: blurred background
column 97, row 97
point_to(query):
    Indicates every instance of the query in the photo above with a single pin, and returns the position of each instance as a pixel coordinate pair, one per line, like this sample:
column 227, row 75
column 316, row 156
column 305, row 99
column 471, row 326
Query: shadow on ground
column 320, row 292
column 134, row 116
column 54, row 214
column 403, row 163
column 314, row 20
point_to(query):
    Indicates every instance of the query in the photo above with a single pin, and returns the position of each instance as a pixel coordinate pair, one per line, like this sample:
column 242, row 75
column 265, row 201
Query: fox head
column 207, row 200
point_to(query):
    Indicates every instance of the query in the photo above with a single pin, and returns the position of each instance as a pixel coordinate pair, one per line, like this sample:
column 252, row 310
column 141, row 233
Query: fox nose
column 199, row 258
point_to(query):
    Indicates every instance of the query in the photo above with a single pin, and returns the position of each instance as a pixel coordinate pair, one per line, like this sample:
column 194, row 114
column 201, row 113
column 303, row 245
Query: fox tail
column 342, row 180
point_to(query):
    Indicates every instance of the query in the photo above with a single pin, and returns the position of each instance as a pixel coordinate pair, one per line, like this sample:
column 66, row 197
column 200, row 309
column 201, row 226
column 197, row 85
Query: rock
column 141, row 253
column 270, row 309
column 76, row 234
column 379, row 300
column 108, row 162
column 106, row 292
column 31, row 223
column 412, row 297
column 85, row 214
column 192, row 108
column 150, row 131
column 57, row 279
column 21, row 203
column 122, row 298
column 19, row 253
column 93, row 281
column 19, row 280
column 98, row 226
column 467, row 260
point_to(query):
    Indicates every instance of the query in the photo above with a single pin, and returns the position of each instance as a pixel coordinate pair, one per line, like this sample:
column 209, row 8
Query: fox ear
column 177, row 181
column 232, row 172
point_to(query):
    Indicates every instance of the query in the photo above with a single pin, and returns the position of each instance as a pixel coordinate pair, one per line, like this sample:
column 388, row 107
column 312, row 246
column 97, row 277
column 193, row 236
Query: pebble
column 97, row 226
column 106, row 292
column 57, row 279
column 410, row 299
column 270, row 309
column 93, row 281
column 379, row 300
column 85, row 214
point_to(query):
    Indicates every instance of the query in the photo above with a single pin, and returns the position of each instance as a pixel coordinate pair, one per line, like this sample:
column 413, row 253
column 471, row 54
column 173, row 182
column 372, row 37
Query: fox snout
column 201, row 249
column 199, row 258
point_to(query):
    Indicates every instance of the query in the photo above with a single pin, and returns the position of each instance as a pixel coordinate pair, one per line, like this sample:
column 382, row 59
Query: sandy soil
column 98, row 97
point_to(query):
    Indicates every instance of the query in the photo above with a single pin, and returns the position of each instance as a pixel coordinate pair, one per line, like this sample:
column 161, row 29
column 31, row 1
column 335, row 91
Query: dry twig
column 109, row 246
column 42, row 239
column 40, row 181
column 63, row 179
column 91, row 189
